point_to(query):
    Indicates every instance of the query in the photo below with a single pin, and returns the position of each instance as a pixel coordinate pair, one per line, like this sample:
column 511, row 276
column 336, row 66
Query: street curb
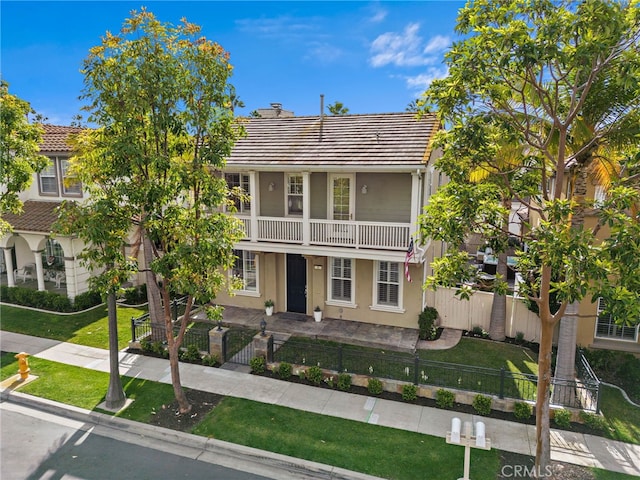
column 259, row 462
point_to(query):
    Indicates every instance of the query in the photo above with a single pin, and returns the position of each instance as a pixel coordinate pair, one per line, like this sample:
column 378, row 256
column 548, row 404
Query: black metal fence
column 411, row 368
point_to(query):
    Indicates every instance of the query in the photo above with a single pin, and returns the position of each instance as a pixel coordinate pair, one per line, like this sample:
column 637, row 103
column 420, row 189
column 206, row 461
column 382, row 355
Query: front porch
column 51, row 284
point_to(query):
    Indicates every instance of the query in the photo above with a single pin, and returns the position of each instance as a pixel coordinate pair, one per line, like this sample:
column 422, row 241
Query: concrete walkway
column 586, row 450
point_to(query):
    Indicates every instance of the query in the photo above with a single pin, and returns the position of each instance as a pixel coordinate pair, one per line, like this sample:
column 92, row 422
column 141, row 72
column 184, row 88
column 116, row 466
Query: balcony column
column 306, row 205
column 8, row 262
column 254, row 193
column 39, row 270
column 416, row 184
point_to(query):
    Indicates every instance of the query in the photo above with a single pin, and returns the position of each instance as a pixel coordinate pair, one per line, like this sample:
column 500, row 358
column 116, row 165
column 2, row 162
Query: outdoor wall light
column 263, row 327
column 272, row 187
column 364, row 189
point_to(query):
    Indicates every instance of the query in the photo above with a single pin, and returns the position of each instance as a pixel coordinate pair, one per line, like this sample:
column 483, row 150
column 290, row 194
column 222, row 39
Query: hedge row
column 48, row 300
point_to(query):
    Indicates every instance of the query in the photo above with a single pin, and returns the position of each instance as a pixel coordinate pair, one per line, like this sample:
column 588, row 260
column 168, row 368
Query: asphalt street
column 40, row 445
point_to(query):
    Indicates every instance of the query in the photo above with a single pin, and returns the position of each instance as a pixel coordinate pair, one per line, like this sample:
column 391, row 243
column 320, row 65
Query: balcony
column 332, row 233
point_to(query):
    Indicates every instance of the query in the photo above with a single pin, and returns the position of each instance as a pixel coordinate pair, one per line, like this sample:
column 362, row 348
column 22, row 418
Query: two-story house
column 334, row 202
column 30, row 253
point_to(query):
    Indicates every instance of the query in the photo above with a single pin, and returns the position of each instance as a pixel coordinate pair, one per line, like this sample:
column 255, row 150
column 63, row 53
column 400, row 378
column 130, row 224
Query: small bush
column 445, row 398
column 426, row 323
column 344, row 381
column 522, row 410
column 409, row 392
column 596, row 422
column 314, row 375
column 482, row 405
column 562, row 418
column 519, row 338
column 374, row 386
column 284, row 370
column 135, row 295
column 146, row 345
column 210, row 360
column 258, row 365
column 302, row 375
column 191, row 354
column 329, row 381
column 86, row 300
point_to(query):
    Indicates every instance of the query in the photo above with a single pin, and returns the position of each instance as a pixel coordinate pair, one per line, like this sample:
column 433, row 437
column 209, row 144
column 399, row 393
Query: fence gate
column 238, row 346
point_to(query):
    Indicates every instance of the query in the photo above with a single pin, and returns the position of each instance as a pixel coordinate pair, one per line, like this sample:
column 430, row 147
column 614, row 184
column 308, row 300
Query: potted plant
column 317, row 314
column 268, row 307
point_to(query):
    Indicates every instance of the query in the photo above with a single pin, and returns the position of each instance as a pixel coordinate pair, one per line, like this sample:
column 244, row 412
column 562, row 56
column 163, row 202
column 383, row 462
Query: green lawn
column 371, row 449
column 87, row 328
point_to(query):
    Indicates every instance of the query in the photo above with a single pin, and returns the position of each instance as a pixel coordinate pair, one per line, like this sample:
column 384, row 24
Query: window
column 294, row 194
column 49, row 179
column 69, row 185
column 240, row 181
column 245, row 269
column 341, row 279
column 53, row 255
column 56, row 178
column 600, row 195
column 606, row 327
column 388, row 284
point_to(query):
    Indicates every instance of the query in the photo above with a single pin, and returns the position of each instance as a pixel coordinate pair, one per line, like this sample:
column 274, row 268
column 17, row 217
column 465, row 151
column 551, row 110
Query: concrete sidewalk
column 580, row 449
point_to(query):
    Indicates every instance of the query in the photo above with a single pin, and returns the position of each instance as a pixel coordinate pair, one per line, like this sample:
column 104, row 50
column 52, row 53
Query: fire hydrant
column 23, row 365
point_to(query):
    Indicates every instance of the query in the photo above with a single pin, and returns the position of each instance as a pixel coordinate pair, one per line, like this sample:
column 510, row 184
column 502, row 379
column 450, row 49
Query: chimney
column 321, row 115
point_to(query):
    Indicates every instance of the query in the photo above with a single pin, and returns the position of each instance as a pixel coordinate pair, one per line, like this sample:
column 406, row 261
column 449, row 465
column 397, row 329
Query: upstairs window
column 241, row 181
column 55, row 178
column 294, row 194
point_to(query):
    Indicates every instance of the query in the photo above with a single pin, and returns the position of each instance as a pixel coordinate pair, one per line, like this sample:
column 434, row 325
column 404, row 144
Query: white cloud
column 324, row 53
column 419, row 83
column 437, row 44
column 406, row 49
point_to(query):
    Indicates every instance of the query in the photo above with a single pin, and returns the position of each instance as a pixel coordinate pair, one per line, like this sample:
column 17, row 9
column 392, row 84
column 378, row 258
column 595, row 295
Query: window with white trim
column 342, row 279
column 48, row 179
column 240, row 181
column 388, row 284
column 70, row 186
column 606, row 326
column 245, row 268
column 294, row 194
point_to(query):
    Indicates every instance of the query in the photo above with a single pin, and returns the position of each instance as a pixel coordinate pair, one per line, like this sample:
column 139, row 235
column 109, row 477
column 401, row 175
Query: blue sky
column 374, row 57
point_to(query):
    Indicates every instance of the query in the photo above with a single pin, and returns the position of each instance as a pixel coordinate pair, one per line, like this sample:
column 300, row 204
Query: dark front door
column 296, row 284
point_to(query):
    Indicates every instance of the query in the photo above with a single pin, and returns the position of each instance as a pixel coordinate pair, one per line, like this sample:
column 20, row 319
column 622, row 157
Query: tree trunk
column 115, row 398
column 543, row 434
column 156, row 314
column 173, row 346
column 499, row 304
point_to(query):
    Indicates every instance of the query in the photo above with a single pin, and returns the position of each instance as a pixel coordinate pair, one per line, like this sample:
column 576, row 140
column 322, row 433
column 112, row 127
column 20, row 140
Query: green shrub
column 482, row 405
column 258, row 365
column 314, row 375
column 210, row 360
column 374, row 386
column 86, row 300
column 522, row 410
column 284, row 370
column 562, row 418
column 344, row 381
column 329, row 381
column 302, row 375
column 191, row 354
column 519, row 338
column 445, row 398
column 135, row 295
column 596, row 422
column 409, row 392
column 426, row 323
column 146, row 345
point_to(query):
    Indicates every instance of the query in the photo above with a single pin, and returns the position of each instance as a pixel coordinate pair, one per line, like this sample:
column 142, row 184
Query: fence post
column 416, row 366
column 133, row 329
column 174, row 305
column 502, row 382
column 339, row 358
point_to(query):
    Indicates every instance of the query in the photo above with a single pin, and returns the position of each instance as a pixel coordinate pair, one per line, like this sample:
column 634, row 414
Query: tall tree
column 160, row 98
column 533, row 66
column 337, row 108
column 19, row 147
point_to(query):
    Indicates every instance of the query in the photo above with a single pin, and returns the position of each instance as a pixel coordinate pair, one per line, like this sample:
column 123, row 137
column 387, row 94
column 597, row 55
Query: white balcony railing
column 374, row 235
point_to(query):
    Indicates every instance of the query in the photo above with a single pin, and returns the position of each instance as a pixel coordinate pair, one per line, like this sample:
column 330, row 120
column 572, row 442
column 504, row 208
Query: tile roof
column 35, row 217
column 54, row 139
column 367, row 139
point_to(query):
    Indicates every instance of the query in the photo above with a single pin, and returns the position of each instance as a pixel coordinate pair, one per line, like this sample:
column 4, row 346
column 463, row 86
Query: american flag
column 407, row 259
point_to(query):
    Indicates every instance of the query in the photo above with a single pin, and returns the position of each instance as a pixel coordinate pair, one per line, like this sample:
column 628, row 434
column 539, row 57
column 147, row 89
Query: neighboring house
column 334, row 202
column 30, row 252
